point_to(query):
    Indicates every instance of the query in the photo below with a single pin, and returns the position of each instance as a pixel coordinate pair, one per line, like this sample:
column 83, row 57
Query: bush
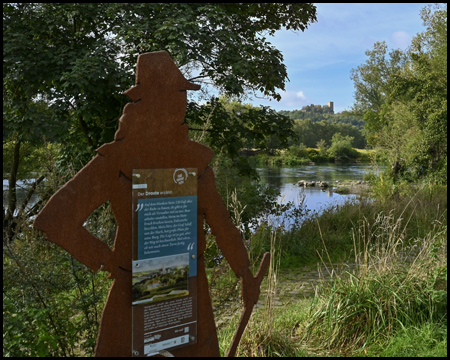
column 341, row 149
column 318, row 156
column 299, row 151
column 51, row 303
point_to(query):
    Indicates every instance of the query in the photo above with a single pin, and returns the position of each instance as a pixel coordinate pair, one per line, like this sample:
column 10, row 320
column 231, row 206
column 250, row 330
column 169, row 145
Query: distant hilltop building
column 331, row 106
column 319, row 108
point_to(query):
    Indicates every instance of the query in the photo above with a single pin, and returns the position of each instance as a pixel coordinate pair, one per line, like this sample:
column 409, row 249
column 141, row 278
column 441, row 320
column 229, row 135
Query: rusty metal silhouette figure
column 152, row 133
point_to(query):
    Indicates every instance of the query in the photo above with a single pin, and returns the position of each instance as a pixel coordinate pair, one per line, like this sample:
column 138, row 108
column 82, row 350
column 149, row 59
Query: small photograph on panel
column 161, row 278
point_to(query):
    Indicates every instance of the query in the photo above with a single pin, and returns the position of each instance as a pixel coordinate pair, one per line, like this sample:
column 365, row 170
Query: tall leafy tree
column 372, row 88
column 80, row 57
column 65, row 66
column 403, row 98
column 371, row 80
column 422, row 86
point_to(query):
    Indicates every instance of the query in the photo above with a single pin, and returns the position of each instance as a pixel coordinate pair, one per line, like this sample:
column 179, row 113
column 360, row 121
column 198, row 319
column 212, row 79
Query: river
column 22, row 187
column 283, row 179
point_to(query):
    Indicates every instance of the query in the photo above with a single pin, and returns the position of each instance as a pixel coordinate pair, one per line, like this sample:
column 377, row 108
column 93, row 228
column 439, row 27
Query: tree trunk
column 9, row 224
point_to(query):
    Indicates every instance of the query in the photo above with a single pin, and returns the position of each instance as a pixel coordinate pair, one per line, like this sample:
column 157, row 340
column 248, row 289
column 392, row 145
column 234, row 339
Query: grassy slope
column 383, row 309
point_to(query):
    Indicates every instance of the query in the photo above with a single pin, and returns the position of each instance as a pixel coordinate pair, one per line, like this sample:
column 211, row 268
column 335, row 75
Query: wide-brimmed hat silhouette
column 156, row 72
column 159, row 98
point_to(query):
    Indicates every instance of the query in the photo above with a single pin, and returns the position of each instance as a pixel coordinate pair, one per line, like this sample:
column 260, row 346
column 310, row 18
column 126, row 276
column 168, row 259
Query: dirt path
column 292, row 285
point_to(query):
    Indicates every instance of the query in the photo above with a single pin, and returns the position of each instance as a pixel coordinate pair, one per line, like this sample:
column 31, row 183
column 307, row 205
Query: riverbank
column 309, row 156
column 370, row 241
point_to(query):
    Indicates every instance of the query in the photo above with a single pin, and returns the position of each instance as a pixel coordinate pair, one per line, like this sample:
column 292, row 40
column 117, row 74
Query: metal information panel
column 164, row 259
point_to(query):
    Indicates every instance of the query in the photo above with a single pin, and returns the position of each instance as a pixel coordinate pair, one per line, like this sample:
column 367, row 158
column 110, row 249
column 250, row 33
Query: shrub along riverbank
column 301, row 155
column 395, row 295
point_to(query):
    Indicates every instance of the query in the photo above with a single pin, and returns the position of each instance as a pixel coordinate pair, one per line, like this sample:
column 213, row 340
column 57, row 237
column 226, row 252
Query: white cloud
column 401, row 39
column 300, row 95
column 293, row 99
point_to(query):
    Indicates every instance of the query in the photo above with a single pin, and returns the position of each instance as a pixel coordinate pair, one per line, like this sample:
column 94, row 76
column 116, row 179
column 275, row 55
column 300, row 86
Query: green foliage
column 298, row 150
column 226, row 42
column 32, row 158
column 231, row 127
column 60, row 60
column 341, row 148
column 311, row 132
column 300, row 155
column 51, row 303
column 322, row 146
column 49, row 298
column 371, row 80
column 423, row 340
column 403, row 98
column 58, row 56
column 65, row 67
column 316, row 113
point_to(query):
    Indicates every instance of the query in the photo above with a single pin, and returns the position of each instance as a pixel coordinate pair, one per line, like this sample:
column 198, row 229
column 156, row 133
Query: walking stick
column 248, row 307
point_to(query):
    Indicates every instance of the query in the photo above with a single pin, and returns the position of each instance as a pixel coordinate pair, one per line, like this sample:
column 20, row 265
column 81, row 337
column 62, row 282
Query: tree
column 65, row 66
column 341, row 148
column 404, row 101
column 61, row 82
column 322, row 146
column 400, row 139
column 422, row 86
column 371, row 79
column 310, row 133
column 232, row 126
column 372, row 89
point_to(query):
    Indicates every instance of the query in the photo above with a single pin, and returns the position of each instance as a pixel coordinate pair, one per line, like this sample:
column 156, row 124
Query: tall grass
column 262, row 336
column 305, row 245
column 395, row 285
column 392, row 293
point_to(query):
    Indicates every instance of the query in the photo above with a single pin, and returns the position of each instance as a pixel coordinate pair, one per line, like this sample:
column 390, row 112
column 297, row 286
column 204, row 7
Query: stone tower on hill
column 331, row 106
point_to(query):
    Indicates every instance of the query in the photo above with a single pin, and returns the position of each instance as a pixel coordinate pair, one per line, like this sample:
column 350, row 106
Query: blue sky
column 319, row 60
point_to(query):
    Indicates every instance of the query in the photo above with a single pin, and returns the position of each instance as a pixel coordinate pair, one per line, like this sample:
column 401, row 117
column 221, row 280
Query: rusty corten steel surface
column 152, row 133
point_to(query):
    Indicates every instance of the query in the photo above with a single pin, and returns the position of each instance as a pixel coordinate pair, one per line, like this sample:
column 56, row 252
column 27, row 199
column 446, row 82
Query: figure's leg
column 114, row 335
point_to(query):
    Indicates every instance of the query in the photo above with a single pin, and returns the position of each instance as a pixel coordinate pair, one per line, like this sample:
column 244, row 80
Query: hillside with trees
column 316, row 123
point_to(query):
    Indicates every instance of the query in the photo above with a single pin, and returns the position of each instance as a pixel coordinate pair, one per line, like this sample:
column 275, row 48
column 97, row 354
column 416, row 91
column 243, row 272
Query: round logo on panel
column 180, row 176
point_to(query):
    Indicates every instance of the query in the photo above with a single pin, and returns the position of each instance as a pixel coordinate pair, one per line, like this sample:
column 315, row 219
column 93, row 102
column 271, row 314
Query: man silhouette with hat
column 152, row 134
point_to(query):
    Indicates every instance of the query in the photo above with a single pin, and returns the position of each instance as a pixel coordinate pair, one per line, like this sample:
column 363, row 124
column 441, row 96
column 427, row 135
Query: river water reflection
column 283, row 180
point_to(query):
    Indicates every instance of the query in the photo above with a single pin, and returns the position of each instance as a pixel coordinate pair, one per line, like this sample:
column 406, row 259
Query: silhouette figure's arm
column 63, row 216
column 228, row 237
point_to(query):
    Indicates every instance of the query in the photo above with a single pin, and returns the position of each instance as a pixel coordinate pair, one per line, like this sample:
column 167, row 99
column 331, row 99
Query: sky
column 319, row 59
